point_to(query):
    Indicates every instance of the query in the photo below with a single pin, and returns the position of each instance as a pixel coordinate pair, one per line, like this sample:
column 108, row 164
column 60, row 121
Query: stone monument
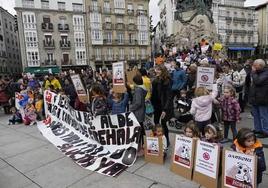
column 194, row 21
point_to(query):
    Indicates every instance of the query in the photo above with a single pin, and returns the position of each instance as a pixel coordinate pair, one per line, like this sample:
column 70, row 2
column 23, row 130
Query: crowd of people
column 160, row 90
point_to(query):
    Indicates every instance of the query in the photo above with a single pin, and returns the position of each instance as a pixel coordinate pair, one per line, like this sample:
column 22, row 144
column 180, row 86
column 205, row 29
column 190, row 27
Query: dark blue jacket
column 179, row 79
column 120, row 106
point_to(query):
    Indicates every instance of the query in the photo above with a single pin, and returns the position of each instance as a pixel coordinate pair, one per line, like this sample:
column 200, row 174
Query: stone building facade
column 262, row 14
column 236, row 27
column 118, row 30
column 10, row 60
column 52, row 34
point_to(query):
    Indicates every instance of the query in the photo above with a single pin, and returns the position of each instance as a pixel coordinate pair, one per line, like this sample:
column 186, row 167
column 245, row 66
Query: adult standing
column 179, row 78
column 162, row 98
column 258, row 97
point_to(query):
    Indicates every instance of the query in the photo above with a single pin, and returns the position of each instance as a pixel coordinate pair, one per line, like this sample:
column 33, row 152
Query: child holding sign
column 246, row 142
column 158, row 132
column 212, row 134
column 191, row 130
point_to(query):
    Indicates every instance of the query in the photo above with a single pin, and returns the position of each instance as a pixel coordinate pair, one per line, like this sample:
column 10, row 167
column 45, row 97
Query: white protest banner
column 239, row 170
column 152, row 145
column 106, row 144
column 205, row 77
column 206, row 158
column 78, row 85
column 118, row 74
column 183, row 151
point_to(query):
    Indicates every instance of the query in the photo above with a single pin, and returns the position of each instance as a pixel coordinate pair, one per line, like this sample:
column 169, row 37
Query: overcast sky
column 9, row 4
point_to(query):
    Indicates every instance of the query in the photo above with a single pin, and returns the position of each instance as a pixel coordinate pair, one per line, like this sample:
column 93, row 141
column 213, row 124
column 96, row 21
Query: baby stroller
column 182, row 113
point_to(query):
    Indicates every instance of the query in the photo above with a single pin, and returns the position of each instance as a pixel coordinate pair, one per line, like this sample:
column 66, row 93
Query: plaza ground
column 28, row 160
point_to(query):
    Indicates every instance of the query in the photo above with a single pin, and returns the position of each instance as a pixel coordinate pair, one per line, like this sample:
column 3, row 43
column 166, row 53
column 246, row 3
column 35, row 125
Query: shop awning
column 241, row 48
column 42, row 70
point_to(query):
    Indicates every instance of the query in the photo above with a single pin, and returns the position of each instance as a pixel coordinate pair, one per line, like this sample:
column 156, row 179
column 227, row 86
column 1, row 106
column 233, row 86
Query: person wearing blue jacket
column 179, row 78
column 118, row 102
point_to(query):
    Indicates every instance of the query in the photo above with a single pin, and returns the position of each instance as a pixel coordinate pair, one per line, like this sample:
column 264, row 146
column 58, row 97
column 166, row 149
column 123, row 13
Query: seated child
column 16, row 116
column 191, row 130
column 212, row 134
column 158, row 132
column 246, row 142
column 118, row 102
column 30, row 115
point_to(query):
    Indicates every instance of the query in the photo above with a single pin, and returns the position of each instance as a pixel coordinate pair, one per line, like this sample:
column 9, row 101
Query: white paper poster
column 205, row 77
column 152, row 146
column 183, row 151
column 206, row 158
column 239, row 170
column 78, row 85
column 118, row 73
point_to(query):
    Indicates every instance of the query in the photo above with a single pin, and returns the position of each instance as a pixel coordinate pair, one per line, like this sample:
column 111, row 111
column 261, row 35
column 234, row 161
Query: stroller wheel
column 178, row 125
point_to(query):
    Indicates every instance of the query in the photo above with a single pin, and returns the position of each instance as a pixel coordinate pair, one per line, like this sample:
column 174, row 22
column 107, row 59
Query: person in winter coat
column 258, row 97
column 162, row 98
column 247, row 143
column 118, row 102
column 138, row 103
column 179, row 78
column 201, row 107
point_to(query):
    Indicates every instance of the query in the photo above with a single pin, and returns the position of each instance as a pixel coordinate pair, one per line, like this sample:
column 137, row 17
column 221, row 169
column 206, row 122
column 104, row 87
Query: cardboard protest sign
column 183, row 156
column 153, row 150
column 80, row 90
column 174, row 50
column 130, row 76
column 105, row 144
column 119, row 77
column 205, row 77
column 239, row 171
column 206, row 164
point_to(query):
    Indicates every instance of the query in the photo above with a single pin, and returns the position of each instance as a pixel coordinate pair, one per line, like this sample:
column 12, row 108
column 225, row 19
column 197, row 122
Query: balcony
column 110, row 57
column 143, row 42
column 47, row 27
column 229, row 31
column 250, row 20
column 63, row 27
column 107, row 26
column 119, row 26
column 239, row 19
column 250, row 32
column 240, row 44
column 94, row 9
column 141, row 12
column 119, row 42
column 132, row 57
column 49, row 45
column 107, row 10
column 130, row 12
column 107, row 41
column 239, row 31
column 120, row 11
column 64, row 62
column 65, row 45
column 228, row 18
column 97, row 57
column 132, row 42
column 132, row 27
column 49, row 63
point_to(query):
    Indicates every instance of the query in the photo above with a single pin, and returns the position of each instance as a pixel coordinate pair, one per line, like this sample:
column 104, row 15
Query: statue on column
column 187, row 10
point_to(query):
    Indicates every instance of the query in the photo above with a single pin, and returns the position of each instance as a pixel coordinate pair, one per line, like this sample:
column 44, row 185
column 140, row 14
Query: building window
column 45, row 4
column 31, row 39
column 50, row 57
column 130, row 6
column 235, row 39
column 110, row 53
column 33, row 58
column 95, row 5
column 79, row 40
column 81, row 57
column 77, row 7
column 106, row 7
column 131, row 21
column 107, row 19
column 98, row 53
column 143, row 37
column 95, row 19
column 119, row 19
column 132, row 53
column 29, row 21
column 120, row 38
column 119, row 6
column 78, row 23
column 61, row 5
column 121, row 53
column 140, row 7
column 28, row 3
column 249, row 39
column 96, row 35
column 109, row 37
column 131, row 37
